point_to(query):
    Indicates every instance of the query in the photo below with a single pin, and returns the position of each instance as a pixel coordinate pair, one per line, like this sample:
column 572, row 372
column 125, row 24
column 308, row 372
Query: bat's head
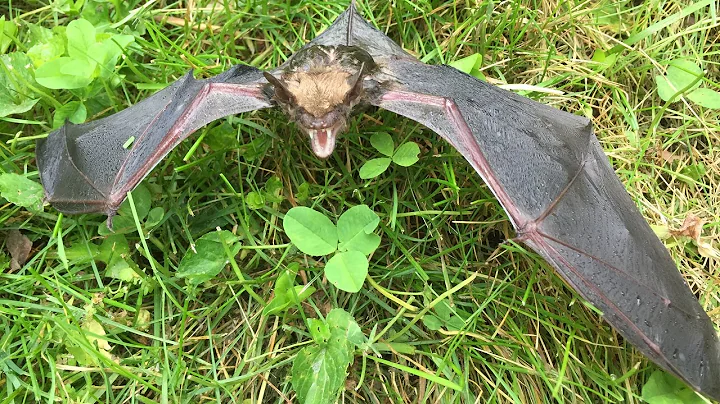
column 319, row 88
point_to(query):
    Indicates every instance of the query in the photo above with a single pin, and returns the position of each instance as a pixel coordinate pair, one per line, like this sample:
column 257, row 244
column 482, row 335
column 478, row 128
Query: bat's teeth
column 322, row 141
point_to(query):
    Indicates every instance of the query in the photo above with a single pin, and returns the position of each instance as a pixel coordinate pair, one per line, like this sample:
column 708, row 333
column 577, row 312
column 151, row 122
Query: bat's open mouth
column 323, row 141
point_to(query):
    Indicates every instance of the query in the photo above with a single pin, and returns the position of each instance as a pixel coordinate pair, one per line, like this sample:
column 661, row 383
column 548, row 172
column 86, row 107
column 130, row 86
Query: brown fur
column 319, row 90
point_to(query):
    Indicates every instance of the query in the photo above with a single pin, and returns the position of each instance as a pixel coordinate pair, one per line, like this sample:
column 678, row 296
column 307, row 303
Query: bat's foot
column 109, row 221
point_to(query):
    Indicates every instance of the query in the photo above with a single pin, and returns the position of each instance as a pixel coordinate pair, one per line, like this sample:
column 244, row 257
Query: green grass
column 528, row 337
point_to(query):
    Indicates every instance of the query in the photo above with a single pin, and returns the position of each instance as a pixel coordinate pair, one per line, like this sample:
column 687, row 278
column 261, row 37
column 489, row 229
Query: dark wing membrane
column 91, row 167
column 365, row 36
column 561, row 193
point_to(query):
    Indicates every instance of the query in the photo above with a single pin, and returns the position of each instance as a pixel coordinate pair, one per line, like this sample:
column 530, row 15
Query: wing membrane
column 91, row 167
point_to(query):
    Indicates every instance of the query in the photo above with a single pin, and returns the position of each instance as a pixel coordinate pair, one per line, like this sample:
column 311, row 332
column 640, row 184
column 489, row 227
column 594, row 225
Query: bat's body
column 544, row 165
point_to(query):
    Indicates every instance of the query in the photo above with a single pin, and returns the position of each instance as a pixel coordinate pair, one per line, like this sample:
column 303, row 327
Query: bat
column 545, row 167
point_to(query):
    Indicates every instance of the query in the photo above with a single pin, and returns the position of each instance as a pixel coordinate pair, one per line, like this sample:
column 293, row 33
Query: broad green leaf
column 65, row 73
column 705, row 97
column 73, row 111
column 318, row 373
column 303, row 192
column 48, row 46
column 443, row 310
column 80, row 38
column 273, row 190
column 254, row 200
column 283, row 284
column 98, row 55
column 113, row 47
column 8, row 107
column 682, row 75
column 115, row 252
column 431, row 322
column 383, row 142
column 302, row 292
column 407, row 154
column 15, row 96
column 347, row 270
column 373, row 168
column 273, row 184
column 603, row 59
column 311, row 231
column 154, row 216
column 694, row 171
column 142, row 200
column 210, row 257
column 113, row 246
column 470, row 65
column 280, row 302
column 255, row 149
column 95, row 333
column 8, row 30
column 79, row 67
column 455, row 323
column 285, row 281
column 276, row 305
column 663, row 388
column 341, row 323
column 82, row 252
column 21, row 191
column 120, row 225
column 355, row 230
column 121, row 269
column 467, row 64
column 609, row 15
column 222, row 137
column 319, row 331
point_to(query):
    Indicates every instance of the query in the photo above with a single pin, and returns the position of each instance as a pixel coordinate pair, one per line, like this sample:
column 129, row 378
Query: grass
column 529, row 337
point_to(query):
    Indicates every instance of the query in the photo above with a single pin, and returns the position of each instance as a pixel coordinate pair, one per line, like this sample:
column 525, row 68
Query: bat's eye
column 281, row 92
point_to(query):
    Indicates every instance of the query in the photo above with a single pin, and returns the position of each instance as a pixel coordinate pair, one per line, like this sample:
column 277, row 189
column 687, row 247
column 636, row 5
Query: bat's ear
column 281, row 92
column 357, row 85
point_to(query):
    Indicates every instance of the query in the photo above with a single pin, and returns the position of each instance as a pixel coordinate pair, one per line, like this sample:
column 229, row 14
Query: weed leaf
column 347, row 270
column 682, row 75
column 210, row 258
column 373, row 168
column 407, row 154
column 663, row 388
column 319, row 371
column 311, row 231
column 383, row 143
column 21, row 191
column 705, row 97
column 355, row 230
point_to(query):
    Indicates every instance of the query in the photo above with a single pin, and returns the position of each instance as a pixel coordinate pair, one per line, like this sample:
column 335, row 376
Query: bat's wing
column 548, row 171
column 91, row 167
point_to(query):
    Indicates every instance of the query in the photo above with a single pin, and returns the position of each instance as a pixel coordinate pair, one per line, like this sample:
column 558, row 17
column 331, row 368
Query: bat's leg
column 185, row 125
column 466, row 145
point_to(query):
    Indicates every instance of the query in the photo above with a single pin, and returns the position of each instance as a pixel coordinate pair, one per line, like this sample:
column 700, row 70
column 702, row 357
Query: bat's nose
column 319, row 124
